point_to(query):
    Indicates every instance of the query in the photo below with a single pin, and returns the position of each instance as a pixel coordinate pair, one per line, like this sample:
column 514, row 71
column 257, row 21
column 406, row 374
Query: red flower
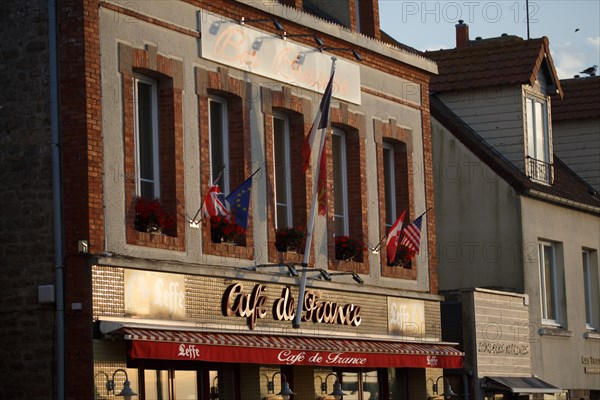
column 150, row 215
column 347, row 248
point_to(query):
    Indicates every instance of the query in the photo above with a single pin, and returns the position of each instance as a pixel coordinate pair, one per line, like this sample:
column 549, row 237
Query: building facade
column 159, row 104
column 576, row 127
column 505, row 200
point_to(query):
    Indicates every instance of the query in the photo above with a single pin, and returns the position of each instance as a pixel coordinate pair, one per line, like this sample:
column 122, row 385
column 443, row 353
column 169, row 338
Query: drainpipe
column 57, row 202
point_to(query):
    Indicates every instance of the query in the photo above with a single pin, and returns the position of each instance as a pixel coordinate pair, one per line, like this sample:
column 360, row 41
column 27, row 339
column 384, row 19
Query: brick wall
column 235, row 92
column 299, row 113
column 82, row 168
column 26, row 239
column 168, row 74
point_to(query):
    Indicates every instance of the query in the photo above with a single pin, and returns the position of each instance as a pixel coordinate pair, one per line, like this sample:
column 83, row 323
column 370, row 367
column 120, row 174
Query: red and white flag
column 213, row 205
column 393, row 237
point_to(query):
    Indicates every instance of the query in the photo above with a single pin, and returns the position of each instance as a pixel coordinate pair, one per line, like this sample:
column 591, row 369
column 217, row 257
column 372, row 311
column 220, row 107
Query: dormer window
column 539, row 163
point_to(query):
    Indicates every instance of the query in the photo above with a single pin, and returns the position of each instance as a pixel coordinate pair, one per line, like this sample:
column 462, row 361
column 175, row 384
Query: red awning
column 287, row 350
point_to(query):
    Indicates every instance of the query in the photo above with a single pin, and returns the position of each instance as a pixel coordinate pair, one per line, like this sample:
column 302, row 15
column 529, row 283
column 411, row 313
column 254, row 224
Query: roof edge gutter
column 561, row 200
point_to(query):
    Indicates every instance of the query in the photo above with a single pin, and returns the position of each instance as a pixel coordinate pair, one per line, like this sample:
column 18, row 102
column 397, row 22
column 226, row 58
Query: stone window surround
column 299, row 110
column 168, row 73
column 391, row 131
column 236, row 92
column 354, row 124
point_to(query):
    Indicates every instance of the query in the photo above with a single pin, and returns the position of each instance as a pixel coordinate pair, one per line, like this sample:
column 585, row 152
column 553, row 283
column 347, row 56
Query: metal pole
column 309, row 230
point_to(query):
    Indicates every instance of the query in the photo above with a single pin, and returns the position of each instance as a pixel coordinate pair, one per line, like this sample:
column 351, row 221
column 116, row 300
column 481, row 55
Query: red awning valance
column 288, row 350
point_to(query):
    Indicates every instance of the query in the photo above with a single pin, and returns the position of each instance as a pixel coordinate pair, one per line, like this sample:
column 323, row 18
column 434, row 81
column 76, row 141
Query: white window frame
column 136, row 137
column 532, row 131
column 287, row 179
column 590, row 284
column 389, row 165
column 224, row 180
column 343, row 181
column 554, row 276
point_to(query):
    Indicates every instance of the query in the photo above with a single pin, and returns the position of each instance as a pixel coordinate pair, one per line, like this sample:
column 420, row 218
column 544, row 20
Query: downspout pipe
column 59, row 267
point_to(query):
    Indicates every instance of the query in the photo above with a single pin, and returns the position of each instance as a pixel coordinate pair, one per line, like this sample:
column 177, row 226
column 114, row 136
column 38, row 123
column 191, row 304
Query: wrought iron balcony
column 539, row 170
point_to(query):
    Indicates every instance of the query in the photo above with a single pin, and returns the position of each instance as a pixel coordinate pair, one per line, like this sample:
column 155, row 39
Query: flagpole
column 193, row 220
column 311, row 223
column 378, row 245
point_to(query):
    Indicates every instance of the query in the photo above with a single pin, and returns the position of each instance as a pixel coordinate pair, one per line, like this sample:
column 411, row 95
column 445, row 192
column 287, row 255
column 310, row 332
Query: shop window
column 551, row 285
column 591, row 292
column 362, row 384
column 186, row 384
column 156, row 384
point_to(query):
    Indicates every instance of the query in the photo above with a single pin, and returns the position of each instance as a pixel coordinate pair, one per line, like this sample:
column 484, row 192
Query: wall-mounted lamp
column 126, row 392
column 286, row 392
column 324, row 274
column 317, row 39
column 337, row 386
column 355, row 53
column 355, row 276
column 447, row 388
column 291, row 269
column 214, row 389
column 275, row 23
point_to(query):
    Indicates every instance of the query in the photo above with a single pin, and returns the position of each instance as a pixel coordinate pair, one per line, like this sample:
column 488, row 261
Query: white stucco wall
column 558, row 359
column 477, row 218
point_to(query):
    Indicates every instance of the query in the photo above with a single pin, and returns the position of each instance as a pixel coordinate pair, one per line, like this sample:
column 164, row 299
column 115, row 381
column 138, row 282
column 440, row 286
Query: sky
column 572, row 27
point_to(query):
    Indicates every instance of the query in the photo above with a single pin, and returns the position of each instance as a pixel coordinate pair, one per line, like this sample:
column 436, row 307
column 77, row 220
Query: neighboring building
column 160, row 102
column 495, row 333
column 26, row 207
column 576, row 127
column 510, row 214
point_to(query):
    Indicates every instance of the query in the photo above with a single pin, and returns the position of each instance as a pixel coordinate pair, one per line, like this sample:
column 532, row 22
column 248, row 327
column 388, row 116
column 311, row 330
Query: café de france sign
column 257, row 52
column 254, row 305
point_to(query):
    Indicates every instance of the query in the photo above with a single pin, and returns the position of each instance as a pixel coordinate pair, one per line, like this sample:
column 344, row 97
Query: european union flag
column 239, row 199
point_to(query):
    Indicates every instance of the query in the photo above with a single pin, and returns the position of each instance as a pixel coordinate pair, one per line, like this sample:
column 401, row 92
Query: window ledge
column 552, row 331
column 591, row 335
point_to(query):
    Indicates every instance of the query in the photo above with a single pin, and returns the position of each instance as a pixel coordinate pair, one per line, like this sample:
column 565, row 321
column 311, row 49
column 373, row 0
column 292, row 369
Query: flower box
column 290, row 239
column 349, row 249
column 404, row 257
column 151, row 217
column 224, row 230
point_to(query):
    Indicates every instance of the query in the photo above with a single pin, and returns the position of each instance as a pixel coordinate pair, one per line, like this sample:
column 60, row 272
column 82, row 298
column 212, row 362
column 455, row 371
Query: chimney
column 462, row 34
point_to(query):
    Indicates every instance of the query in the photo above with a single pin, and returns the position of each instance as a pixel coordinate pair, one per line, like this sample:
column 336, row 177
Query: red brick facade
column 236, row 93
column 298, row 110
column 168, row 73
column 82, row 178
column 81, row 124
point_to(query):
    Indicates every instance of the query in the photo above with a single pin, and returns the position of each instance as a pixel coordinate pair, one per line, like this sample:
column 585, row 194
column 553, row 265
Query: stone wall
column 26, row 240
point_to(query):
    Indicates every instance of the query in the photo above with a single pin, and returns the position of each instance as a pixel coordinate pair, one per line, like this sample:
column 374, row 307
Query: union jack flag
column 213, row 205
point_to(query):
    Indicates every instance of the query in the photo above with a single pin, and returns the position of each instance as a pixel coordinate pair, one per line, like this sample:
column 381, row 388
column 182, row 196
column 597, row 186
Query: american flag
column 412, row 235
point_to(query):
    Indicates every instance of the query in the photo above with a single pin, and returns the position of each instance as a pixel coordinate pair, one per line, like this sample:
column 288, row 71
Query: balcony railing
column 539, row 170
